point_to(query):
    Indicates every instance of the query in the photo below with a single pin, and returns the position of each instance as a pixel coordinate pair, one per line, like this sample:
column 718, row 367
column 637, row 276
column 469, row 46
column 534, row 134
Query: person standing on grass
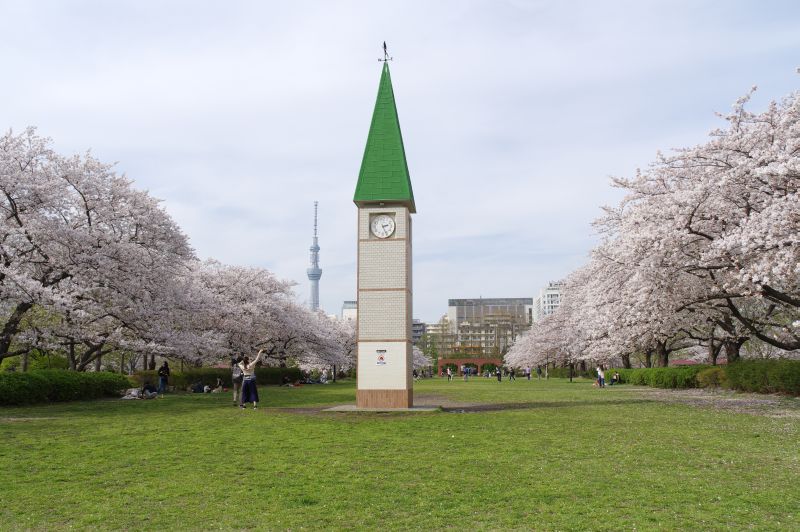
column 449, row 374
column 538, row 373
column 499, row 375
column 163, row 377
column 249, row 391
column 528, row 372
column 511, row 377
column 236, row 378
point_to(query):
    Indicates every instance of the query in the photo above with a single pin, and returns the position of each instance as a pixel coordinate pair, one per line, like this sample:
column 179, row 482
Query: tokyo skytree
column 314, row 272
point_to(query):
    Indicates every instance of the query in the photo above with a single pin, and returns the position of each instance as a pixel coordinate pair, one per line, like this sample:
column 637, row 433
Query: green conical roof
column 384, row 172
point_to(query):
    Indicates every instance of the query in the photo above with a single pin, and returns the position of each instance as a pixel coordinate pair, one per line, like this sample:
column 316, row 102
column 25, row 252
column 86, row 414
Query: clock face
column 382, row 226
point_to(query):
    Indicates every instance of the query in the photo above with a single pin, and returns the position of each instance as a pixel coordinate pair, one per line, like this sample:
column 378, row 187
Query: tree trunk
column 648, row 358
column 91, row 354
column 583, row 365
column 571, row 368
column 662, row 354
column 71, row 355
column 144, row 362
column 732, row 350
column 25, row 361
column 97, row 363
column 712, row 353
column 11, row 328
column 152, row 362
column 626, row 361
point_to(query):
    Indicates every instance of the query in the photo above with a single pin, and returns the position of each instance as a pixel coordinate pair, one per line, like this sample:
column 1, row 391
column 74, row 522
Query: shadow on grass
column 470, row 409
column 496, row 407
column 180, row 403
column 111, row 407
column 311, row 399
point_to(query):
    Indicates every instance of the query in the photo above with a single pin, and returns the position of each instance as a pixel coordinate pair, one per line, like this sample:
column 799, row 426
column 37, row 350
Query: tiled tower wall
column 384, row 302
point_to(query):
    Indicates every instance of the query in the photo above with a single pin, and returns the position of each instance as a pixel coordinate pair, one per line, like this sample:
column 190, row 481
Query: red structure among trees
column 460, row 362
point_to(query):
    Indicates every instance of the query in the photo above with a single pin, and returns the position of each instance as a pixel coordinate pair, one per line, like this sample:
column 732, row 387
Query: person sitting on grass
column 149, row 391
column 133, row 393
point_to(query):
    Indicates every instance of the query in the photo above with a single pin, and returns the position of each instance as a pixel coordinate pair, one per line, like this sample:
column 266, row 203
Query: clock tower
column 385, row 203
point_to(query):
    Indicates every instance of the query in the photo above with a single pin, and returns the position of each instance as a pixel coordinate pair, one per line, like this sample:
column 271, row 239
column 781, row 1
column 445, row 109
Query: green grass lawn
column 543, row 455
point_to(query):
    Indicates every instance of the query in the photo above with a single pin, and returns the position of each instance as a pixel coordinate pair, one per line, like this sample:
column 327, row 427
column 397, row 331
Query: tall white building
column 548, row 300
column 350, row 310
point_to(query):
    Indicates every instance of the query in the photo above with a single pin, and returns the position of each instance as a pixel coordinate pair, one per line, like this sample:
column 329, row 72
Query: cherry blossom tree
column 421, row 360
column 250, row 309
column 79, row 242
column 717, row 224
column 702, row 251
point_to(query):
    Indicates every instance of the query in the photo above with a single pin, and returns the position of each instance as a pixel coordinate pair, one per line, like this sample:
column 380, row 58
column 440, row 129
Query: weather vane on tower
column 385, row 54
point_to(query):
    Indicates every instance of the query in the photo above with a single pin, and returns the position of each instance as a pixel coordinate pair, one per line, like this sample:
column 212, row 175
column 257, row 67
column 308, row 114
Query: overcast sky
column 514, row 115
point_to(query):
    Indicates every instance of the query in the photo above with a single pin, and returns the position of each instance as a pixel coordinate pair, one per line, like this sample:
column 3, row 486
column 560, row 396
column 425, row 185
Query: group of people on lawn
column 243, row 375
column 601, row 378
column 466, row 371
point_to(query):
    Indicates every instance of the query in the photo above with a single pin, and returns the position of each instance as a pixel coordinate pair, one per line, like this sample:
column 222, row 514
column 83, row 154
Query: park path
column 768, row 405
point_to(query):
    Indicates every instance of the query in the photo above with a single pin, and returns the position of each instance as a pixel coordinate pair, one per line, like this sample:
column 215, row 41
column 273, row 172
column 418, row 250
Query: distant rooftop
column 490, row 301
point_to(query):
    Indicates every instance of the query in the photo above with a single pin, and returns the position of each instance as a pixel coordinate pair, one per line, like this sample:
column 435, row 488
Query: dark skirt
column 249, row 391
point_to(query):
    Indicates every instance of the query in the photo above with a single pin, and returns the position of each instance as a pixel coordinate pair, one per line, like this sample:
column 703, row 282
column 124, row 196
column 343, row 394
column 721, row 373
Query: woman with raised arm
column 249, row 391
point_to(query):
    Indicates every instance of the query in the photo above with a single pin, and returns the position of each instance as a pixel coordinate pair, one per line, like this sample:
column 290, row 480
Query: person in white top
column 249, row 391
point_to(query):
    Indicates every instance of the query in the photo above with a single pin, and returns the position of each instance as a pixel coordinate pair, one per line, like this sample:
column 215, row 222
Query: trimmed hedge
column 759, row 376
column 184, row 379
column 675, row 377
column 765, row 376
column 36, row 361
column 563, row 373
column 59, row 385
column 713, row 377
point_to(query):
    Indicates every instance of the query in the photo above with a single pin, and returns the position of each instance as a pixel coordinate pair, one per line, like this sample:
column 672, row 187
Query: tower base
column 384, row 398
